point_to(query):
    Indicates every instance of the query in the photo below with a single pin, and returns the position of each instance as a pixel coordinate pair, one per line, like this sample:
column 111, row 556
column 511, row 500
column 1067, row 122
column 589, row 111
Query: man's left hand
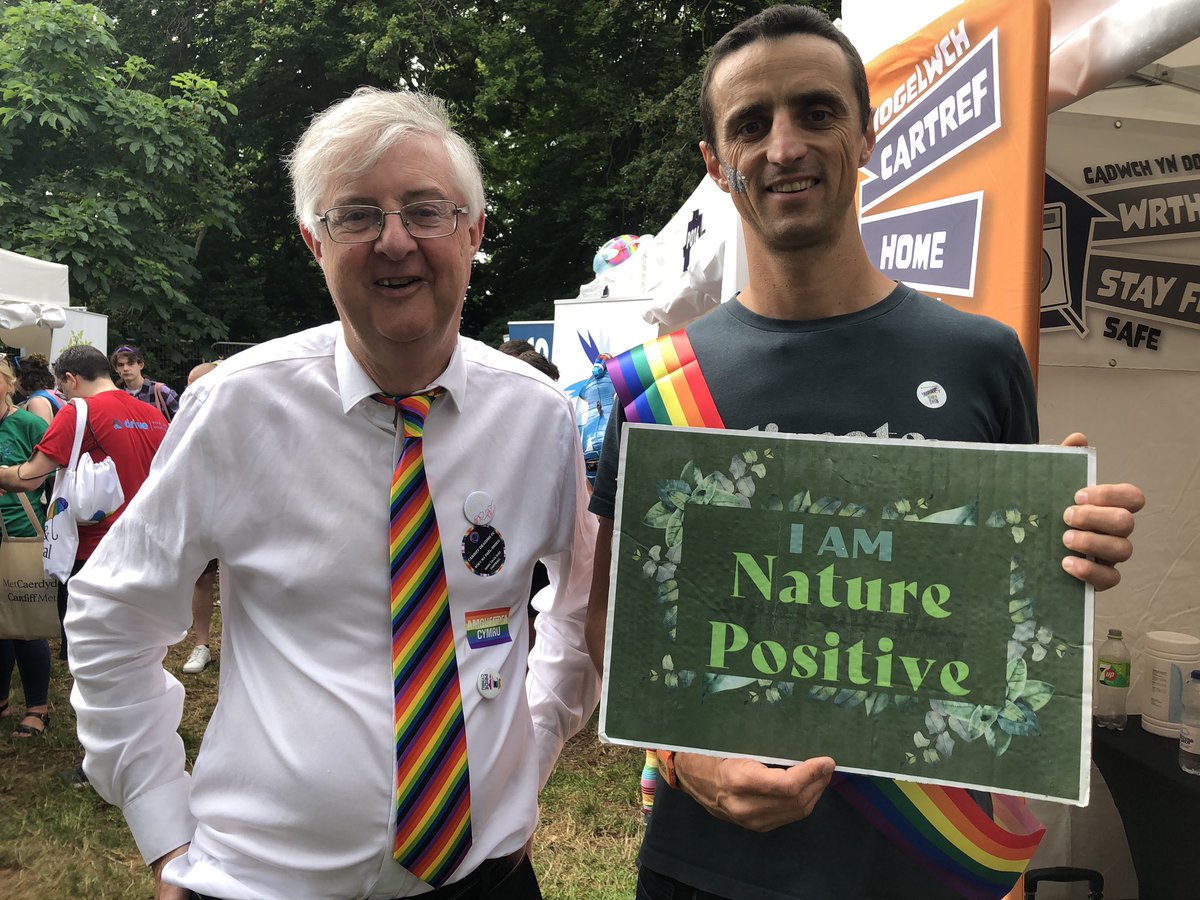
column 750, row 794
column 1100, row 523
column 164, row 890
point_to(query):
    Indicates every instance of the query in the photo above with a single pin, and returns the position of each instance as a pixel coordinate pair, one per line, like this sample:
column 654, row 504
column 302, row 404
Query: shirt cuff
column 161, row 819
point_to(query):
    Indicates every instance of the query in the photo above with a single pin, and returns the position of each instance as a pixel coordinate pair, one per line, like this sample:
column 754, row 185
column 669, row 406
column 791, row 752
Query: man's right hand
column 750, row 794
column 162, row 890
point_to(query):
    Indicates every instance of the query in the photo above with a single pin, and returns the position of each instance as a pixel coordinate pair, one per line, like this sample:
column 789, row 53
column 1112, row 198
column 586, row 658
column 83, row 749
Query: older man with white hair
column 378, row 507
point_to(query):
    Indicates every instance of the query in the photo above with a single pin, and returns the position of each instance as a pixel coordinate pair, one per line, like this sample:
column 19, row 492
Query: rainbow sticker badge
column 488, row 627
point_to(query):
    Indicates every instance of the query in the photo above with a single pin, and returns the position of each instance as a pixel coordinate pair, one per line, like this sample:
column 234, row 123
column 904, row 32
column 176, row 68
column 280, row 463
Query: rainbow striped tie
column 433, row 789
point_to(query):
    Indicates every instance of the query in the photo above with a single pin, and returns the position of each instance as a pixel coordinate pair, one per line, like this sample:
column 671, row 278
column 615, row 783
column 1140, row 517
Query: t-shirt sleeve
column 1021, row 426
column 604, row 490
column 60, row 436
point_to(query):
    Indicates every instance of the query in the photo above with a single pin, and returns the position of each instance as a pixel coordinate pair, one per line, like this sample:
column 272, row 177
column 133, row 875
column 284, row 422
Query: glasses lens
column 350, row 224
column 430, row 218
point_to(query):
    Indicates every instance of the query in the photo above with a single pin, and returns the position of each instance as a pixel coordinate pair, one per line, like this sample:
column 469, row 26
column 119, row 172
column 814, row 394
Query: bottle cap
column 1115, row 633
column 1196, row 674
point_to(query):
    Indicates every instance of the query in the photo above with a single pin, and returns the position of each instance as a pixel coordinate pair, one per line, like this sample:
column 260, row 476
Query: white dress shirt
column 279, row 464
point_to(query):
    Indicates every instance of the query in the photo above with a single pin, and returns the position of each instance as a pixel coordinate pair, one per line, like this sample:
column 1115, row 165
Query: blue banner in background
column 540, row 334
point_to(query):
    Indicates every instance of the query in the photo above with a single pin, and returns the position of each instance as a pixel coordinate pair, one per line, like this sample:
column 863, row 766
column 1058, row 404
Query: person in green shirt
column 20, row 432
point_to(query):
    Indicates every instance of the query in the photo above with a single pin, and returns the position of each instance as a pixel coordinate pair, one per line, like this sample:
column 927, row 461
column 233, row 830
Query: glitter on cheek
column 737, row 181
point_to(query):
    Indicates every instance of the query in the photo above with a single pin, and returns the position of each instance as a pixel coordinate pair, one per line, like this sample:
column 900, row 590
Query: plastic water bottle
column 1112, row 682
column 1189, row 731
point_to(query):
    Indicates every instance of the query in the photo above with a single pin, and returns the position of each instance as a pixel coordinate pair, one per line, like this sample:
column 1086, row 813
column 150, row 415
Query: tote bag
column 62, row 535
column 62, row 527
column 28, row 597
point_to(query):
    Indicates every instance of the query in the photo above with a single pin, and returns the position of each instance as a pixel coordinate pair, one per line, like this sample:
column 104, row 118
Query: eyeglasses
column 364, row 224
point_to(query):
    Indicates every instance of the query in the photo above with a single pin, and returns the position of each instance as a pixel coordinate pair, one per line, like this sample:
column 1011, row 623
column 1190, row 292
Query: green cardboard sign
column 899, row 606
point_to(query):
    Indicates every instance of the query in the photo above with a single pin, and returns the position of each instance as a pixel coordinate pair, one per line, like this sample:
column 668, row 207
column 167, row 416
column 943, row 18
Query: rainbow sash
column 660, row 383
column 941, row 828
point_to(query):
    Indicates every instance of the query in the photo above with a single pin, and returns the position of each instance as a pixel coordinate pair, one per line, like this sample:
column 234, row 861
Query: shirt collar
column 355, row 385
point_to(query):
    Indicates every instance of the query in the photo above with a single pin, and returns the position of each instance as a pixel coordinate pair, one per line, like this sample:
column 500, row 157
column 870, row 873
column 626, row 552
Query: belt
column 488, row 874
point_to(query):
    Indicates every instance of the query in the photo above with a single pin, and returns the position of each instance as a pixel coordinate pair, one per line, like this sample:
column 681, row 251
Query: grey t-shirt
column 907, row 367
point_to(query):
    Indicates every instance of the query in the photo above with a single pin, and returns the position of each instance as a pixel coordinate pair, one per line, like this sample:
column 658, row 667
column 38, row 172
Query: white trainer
column 198, row 660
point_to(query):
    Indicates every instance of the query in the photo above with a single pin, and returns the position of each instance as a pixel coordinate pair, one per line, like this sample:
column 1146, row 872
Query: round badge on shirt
column 931, row 394
column 488, row 684
column 483, row 550
column 479, row 508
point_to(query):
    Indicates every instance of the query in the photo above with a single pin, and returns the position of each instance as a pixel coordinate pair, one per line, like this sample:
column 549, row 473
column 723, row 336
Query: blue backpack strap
column 56, row 402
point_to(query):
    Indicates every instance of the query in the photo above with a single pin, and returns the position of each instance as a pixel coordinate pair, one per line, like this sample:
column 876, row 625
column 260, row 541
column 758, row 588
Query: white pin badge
column 931, row 394
column 488, row 684
column 479, row 508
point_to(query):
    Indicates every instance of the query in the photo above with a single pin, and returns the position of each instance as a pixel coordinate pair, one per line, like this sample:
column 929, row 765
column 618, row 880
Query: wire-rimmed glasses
column 360, row 224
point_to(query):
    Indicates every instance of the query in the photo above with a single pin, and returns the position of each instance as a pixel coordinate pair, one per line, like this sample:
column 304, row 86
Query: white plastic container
column 1168, row 661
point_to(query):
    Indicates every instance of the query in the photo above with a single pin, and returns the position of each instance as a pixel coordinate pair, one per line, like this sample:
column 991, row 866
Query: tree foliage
column 584, row 114
column 120, row 182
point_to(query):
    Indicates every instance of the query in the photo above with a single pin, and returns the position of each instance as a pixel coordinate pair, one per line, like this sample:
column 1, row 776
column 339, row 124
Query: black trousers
column 62, row 606
column 653, row 885
column 495, row 879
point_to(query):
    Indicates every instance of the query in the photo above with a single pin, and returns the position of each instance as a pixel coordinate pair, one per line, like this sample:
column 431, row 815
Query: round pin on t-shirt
column 931, row 394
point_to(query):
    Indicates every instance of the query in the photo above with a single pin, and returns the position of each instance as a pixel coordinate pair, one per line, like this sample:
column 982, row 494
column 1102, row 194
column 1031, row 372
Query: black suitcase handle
column 1065, row 873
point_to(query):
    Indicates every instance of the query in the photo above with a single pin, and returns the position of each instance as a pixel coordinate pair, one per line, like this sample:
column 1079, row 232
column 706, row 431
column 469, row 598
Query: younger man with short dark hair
column 128, row 362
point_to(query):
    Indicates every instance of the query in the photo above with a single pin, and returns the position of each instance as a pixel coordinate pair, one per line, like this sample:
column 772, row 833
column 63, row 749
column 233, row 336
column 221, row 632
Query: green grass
column 591, row 822
column 57, row 841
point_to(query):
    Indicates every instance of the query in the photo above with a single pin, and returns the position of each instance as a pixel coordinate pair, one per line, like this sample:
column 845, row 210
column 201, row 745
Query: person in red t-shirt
column 118, row 426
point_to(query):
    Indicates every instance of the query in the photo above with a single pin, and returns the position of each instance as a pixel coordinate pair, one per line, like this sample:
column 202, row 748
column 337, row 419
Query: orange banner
column 951, row 201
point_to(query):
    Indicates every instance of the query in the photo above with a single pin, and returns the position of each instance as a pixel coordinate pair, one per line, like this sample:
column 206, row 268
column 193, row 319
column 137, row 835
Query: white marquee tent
column 33, row 296
column 35, row 308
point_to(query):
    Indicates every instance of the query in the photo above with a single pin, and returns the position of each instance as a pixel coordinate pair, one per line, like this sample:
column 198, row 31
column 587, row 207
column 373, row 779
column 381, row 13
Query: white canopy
column 33, row 300
column 26, row 279
column 1102, row 44
column 689, row 267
